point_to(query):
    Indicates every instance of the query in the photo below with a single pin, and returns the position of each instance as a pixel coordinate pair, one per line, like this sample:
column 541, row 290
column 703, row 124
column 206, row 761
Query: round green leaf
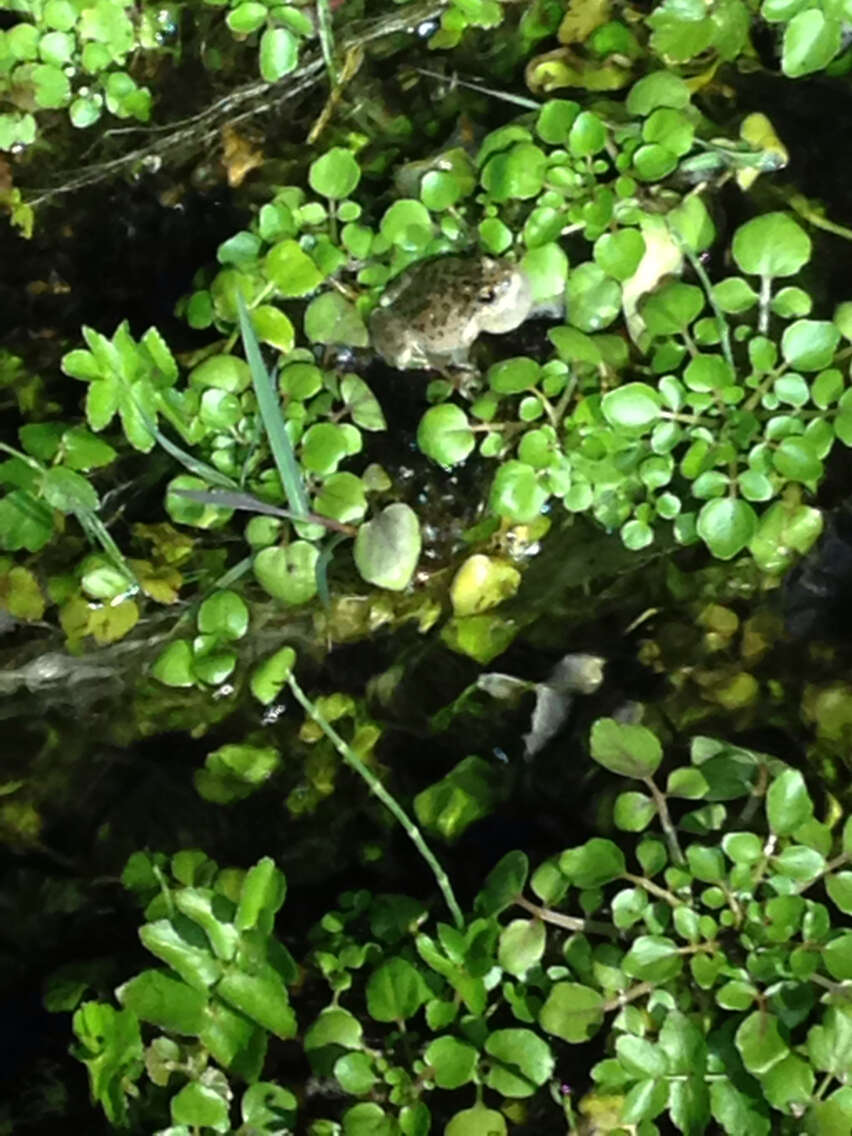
column 726, row 525
column 291, row 269
column 478, row 1121
column 279, row 53
column 335, row 174
column 592, row 864
column 809, row 345
column 811, row 41
column 759, row 1043
column 247, row 17
column 288, row 574
column 634, row 407
column 628, row 750
column 619, row 253
column 771, row 245
column 517, row 493
column 452, row 1061
column 395, row 991
column 387, row 548
column 572, row 1012
column 445, row 436
column 200, row 1107
column 224, row 614
column 788, row 803
column 521, row 1062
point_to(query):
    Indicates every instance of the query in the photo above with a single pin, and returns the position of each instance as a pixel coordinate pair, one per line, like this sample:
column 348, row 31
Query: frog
column 431, row 314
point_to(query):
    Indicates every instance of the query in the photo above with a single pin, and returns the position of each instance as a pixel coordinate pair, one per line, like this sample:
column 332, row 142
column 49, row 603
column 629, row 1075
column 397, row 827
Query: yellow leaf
column 20, row 594
column 582, row 18
column 112, row 622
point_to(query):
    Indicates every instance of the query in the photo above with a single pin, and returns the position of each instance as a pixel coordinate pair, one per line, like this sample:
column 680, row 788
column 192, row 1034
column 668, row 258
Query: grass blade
column 273, row 421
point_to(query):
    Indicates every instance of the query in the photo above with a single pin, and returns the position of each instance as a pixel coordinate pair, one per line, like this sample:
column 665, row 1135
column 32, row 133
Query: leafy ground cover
column 269, row 604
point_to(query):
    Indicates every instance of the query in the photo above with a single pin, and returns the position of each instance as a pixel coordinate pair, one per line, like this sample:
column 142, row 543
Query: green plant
column 712, row 959
column 79, row 56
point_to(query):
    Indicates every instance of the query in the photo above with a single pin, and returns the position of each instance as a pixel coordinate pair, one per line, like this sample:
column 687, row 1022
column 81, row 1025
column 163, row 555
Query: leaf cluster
column 711, row 957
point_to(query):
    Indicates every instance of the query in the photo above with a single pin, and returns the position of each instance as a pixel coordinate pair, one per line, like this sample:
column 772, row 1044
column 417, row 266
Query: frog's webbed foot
column 464, row 378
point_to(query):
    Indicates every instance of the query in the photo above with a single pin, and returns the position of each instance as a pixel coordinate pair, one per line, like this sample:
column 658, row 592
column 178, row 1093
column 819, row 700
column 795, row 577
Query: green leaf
column 518, row 173
column 247, row 17
column 788, row 804
column 771, row 245
column 644, row 1101
column 269, row 677
column 387, row 548
column 25, row 522
column 173, row 666
column 362, row 404
column 742, row 847
column 640, row 1057
column 445, row 435
column 288, row 574
column 335, row 174
column 268, row 1107
column 633, row 407
column 522, row 945
column 811, row 41
column 468, row 792
column 261, row 895
column 355, row 1073
column 261, row 997
column 334, row 1026
column 279, row 54
column 521, row 1062
column 633, row 812
column 453, row 1062
column 332, row 319
column 788, row 1086
column 67, row 491
column 653, row 958
column 164, row 1001
column 592, row 299
column 593, row 864
column 829, row 1044
column 477, row 1121
column 839, row 888
column 290, row 268
column 111, row 1047
column 739, row 1113
column 572, row 1012
column 367, row 1119
column 759, row 1043
column 837, row 956
column 201, row 1107
column 185, row 948
column 212, row 914
column 395, row 991
column 224, row 614
column 726, row 525
column 628, row 750
column 619, row 253
column 504, row 883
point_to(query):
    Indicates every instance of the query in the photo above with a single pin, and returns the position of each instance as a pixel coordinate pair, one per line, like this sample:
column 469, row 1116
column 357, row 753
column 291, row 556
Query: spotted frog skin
column 430, row 315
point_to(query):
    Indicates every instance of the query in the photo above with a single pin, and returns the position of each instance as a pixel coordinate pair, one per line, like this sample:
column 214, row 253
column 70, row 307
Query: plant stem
column 665, row 821
column 390, row 803
column 569, row 922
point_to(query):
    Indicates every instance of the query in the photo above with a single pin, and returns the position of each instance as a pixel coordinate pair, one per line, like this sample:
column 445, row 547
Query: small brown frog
column 430, row 315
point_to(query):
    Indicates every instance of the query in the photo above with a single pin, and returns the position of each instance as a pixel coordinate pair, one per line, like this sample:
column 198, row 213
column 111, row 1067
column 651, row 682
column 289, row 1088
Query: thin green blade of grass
column 273, row 421
column 195, row 466
column 249, row 504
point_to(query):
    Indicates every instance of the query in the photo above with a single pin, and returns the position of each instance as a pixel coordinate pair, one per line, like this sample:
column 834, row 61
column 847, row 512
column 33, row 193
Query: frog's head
column 505, row 296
